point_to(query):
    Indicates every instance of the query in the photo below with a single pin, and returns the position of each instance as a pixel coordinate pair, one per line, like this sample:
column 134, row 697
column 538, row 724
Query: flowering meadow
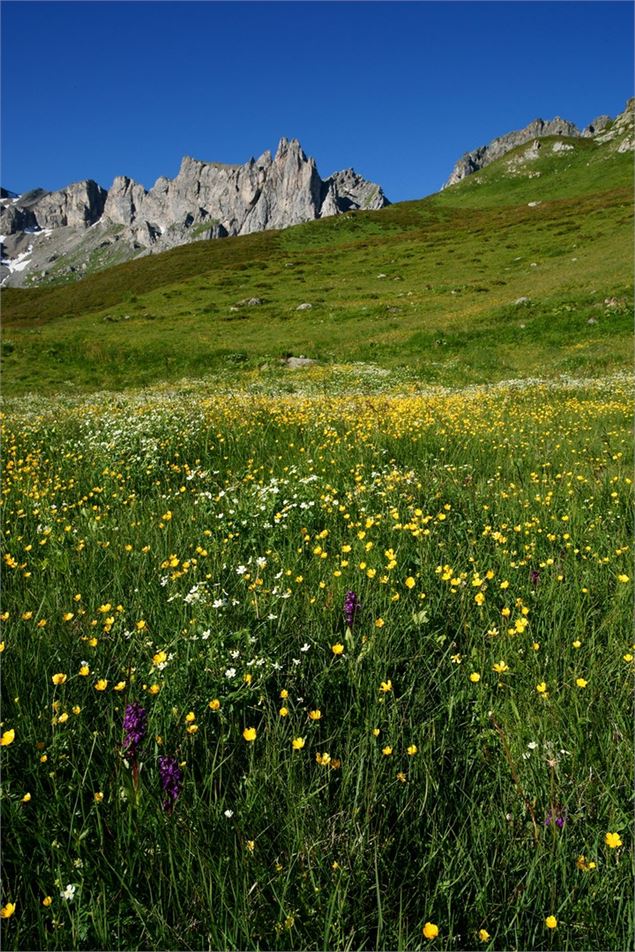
column 318, row 671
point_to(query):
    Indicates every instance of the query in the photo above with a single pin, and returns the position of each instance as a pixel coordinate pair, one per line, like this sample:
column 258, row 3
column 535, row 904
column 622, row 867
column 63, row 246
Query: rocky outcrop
column 205, row 200
column 477, row 159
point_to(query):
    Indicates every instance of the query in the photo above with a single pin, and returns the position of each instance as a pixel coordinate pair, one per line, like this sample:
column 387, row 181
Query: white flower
column 305, row 647
column 229, row 814
column 532, row 745
column 230, row 672
column 235, row 653
column 69, row 892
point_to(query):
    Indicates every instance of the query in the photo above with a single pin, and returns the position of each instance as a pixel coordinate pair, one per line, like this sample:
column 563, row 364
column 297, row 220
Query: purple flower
column 534, row 577
column 351, row 607
column 557, row 816
column 171, row 781
column 135, row 722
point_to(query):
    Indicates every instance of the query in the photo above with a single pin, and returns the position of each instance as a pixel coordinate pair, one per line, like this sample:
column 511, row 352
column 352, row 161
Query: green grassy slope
column 424, row 288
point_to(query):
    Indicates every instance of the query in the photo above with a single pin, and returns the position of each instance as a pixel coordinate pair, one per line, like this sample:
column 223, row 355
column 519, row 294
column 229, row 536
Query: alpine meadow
column 317, row 557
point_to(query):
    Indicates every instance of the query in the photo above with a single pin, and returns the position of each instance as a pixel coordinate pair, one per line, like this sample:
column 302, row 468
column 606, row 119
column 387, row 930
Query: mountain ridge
column 204, row 200
column 479, row 158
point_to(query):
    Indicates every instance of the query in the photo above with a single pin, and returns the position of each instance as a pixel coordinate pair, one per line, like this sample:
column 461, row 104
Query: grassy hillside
column 425, row 289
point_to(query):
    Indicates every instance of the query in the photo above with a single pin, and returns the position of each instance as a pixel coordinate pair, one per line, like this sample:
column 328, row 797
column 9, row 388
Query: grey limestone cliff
column 83, row 226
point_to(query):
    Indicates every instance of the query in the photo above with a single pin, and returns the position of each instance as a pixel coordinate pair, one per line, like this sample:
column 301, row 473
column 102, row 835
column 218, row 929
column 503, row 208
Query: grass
column 191, row 547
column 451, row 267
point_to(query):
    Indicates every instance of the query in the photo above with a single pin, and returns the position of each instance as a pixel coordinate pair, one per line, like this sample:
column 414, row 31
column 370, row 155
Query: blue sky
column 397, row 90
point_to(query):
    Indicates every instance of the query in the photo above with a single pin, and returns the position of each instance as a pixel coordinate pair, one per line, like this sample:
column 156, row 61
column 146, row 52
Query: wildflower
column 379, row 623
column 297, row 743
column 228, row 813
column 430, row 931
column 455, row 658
column 387, row 751
column 101, row 685
column 412, row 750
column 337, row 649
column 284, row 694
column 59, row 678
column 190, row 717
column 69, row 892
column 613, row 840
column 500, row 667
column 171, row 777
column 249, row 733
column 63, row 718
column 315, row 715
column 542, row 688
column 98, row 796
column 351, row 607
column 134, row 724
column 483, row 935
column 84, row 670
column 323, row 759
column 283, row 711
column 154, row 688
column 120, row 686
column 582, row 863
column 627, row 657
column 7, row 911
column 581, row 683
column 7, row 738
column 47, row 901
column 159, row 658
column 385, row 686
column 479, row 598
column 67, row 616
column 551, row 922
column 26, row 798
column 555, row 816
column 576, row 644
column 192, row 728
column 410, row 582
column 401, row 777
column 214, row 704
column 623, row 578
column 250, row 845
column 475, row 677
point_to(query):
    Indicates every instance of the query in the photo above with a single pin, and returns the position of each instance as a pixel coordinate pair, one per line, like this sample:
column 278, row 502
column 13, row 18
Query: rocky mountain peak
column 204, row 200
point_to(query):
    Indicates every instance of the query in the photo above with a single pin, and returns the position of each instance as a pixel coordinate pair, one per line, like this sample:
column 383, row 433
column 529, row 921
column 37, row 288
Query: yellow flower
column 251, row 845
column 140, row 625
column 192, row 728
column 315, row 715
column 7, row 911
column 500, row 667
column 76, row 709
column 401, row 777
column 410, row 582
column 1, row 646
column 98, row 796
column 479, row 598
column 284, row 694
column 7, row 738
column 159, row 658
column 214, row 704
column 385, row 686
column 67, row 616
column 249, row 733
column 430, row 931
column 84, row 670
column 190, row 717
column 337, row 649
column 47, row 900
column 379, row 623
column 376, row 731
column 154, row 688
column 613, row 840
column 628, row 657
column 475, row 677
column 63, row 718
column 297, row 743
column 387, row 751
column 542, row 687
column 551, row 922
column 120, row 686
column 323, row 759
column 101, row 685
column 576, row 644
column 483, row 935
column 581, row 683
column 283, row 711
column 26, row 798
column 59, row 678
column 623, row 578
column 412, row 750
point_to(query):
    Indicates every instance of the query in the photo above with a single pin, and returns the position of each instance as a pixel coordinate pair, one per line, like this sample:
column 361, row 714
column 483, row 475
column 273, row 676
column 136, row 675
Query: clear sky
column 397, row 90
